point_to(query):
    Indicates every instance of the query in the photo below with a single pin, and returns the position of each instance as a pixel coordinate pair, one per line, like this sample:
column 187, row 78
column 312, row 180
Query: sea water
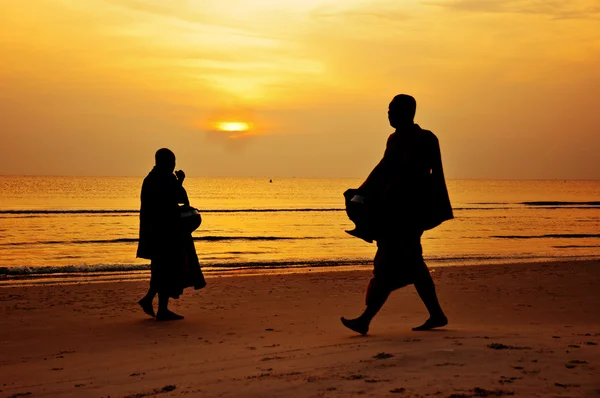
column 60, row 228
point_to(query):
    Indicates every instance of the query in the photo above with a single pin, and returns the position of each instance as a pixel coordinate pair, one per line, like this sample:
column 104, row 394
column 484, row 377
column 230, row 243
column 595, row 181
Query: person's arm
column 181, row 193
column 183, row 197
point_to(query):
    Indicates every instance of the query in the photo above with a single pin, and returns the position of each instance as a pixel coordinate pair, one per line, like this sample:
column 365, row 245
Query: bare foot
column 147, row 306
column 356, row 325
column 432, row 323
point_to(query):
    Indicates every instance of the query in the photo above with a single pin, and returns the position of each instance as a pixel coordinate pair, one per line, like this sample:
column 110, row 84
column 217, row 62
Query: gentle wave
column 70, row 269
column 557, row 203
column 527, row 207
column 40, row 213
column 212, row 238
column 129, row 211
column 83, row 211
column 33, row 271
column 551, row 236
column 542, row 203
column 103, row 268
column 134, row 240
column 507, row 206
column 565, row 207
column 575, row 246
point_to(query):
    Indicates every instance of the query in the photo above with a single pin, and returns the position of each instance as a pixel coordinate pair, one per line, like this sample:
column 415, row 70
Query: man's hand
column 180, row 176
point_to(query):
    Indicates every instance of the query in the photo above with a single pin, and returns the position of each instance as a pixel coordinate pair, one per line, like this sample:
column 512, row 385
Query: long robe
column 407, row 188
column 174, row 262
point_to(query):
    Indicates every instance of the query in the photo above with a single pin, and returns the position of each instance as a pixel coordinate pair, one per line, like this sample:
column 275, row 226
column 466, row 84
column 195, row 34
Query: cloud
column 138, row 75
column 181, row 10
column 364, row 15
column 556, row 9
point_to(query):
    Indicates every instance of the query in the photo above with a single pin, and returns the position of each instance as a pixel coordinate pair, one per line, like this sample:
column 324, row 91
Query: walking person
column 405, row 195
column 164, row 238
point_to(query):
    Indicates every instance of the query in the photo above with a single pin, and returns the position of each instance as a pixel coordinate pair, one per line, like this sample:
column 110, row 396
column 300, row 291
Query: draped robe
column 174, row 262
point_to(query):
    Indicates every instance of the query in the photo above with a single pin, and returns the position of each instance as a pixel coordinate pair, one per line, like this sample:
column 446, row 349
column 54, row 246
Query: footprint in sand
column 264, row 369
column 449, row 364
column 156, row 391
column 354, row 377
column 531, row 372
column 258, row 376
column 270, row 358
column 482, row 392
column 500, row 346
column 20, row 394
column 572, row 364
column 566, row 385
column 508, row 380
column 383, row 355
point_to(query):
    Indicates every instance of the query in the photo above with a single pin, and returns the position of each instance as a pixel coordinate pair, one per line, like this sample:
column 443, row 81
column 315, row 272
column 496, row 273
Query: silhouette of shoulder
column 426, row 137
column 390, row 139
column 429, row 137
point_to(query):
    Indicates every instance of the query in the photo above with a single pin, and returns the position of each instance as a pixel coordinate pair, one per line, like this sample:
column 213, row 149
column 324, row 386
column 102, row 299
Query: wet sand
column 529, row 330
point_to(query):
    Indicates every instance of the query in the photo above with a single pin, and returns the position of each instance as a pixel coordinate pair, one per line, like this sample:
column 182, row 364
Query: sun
column 233, row 127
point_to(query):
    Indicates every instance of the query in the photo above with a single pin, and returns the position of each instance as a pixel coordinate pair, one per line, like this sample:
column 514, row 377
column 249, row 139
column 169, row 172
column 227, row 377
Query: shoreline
column 529, row 329
column 136, row 275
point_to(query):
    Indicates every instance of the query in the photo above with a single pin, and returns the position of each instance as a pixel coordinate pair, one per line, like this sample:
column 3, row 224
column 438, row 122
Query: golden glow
column 233, row 127
column 202, row 74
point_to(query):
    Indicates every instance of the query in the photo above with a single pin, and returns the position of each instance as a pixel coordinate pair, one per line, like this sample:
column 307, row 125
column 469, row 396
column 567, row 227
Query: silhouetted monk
column 174, row 262
column 407, row 195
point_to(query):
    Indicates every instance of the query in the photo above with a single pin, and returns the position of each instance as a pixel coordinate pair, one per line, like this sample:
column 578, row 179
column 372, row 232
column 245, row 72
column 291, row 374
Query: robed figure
column 164, row 240
column 403, row 196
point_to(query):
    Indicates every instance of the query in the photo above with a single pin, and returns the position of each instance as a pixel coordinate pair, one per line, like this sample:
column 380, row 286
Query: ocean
column 73, row 229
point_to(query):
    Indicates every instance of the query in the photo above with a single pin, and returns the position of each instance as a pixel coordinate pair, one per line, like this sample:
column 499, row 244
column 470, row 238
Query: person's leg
column 426, row 290
column 146, row 301
column 377, row 294
column 164, row 314
column 161, row 283
column 163, row 303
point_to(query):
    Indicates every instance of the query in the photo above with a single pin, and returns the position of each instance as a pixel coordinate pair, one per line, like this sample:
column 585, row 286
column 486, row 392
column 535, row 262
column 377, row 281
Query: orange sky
column 94, row 87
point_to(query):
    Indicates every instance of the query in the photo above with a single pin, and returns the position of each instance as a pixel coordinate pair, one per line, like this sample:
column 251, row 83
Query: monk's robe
column 406, row 194
column 407, row 189
column 174, row 262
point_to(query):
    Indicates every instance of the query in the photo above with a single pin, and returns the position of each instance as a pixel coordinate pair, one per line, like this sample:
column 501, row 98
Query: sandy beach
column 528, row 330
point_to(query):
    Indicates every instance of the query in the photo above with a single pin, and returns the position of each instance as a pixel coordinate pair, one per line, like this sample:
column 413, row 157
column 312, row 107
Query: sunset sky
column 94, row 87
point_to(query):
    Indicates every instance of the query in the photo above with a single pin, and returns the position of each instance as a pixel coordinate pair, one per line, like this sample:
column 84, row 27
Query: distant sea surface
column 86, row 228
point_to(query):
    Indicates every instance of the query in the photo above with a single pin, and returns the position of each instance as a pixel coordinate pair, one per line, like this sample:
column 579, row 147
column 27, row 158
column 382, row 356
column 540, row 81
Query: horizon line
column 295, row 177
